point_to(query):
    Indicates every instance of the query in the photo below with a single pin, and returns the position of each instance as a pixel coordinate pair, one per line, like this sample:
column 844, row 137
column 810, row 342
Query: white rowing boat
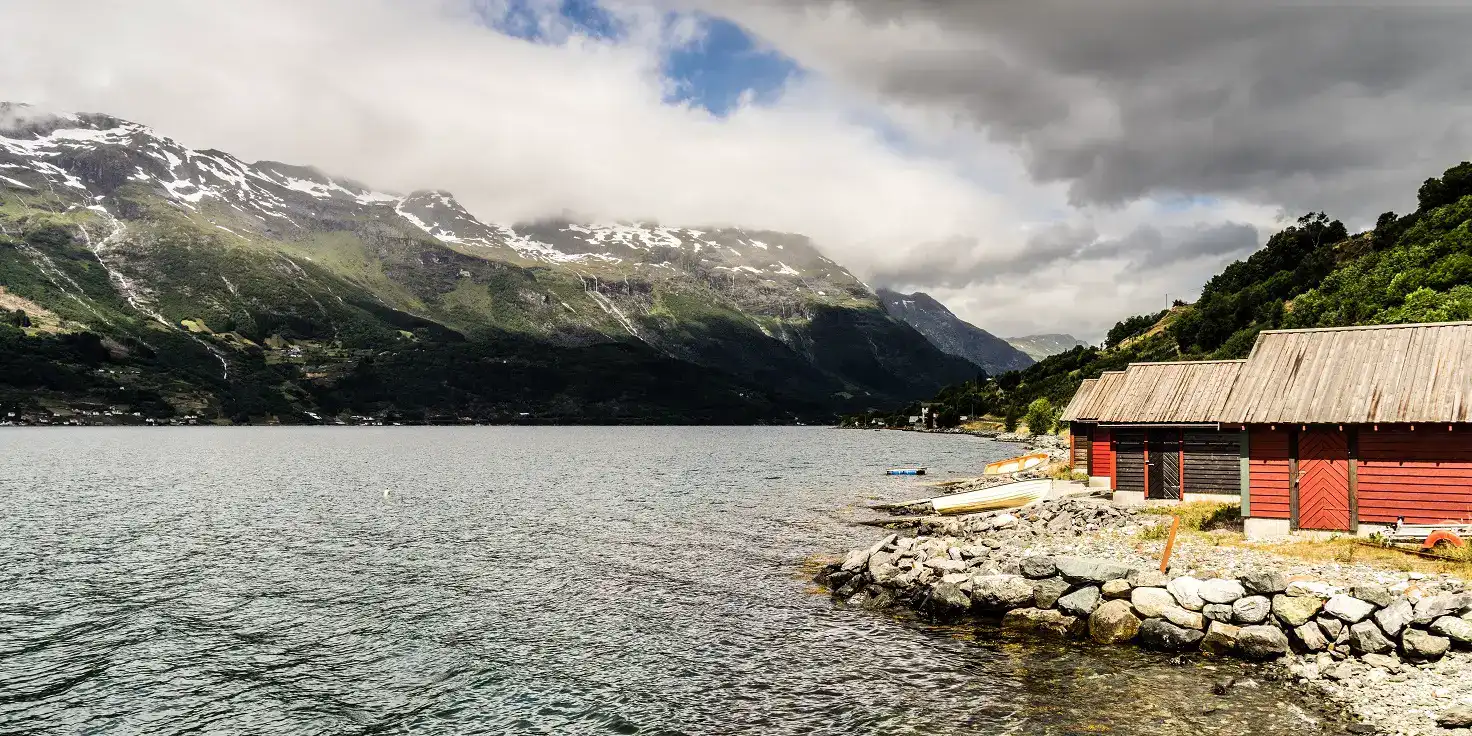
column 1006, row 496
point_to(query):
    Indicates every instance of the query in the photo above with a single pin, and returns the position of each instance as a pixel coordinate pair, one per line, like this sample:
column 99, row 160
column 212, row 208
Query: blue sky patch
column 523, row 21
column 715, row 72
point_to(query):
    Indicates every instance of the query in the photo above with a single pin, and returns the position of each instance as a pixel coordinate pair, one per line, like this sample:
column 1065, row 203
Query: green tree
column 1010, row 417
column 1040, row 416
column 1127, row 328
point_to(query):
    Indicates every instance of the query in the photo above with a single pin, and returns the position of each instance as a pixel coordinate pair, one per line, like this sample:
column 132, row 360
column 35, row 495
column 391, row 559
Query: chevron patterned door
column 1323, row 480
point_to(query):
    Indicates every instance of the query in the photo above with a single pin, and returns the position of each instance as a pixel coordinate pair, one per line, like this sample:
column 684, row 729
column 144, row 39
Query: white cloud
column 406, row 95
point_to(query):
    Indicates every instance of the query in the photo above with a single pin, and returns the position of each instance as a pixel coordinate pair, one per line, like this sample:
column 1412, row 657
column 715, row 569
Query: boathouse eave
column 1163, row 425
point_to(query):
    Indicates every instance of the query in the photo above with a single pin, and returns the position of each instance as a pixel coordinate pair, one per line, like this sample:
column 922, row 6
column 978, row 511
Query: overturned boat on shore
column 1016, row 464
column 1006, row 496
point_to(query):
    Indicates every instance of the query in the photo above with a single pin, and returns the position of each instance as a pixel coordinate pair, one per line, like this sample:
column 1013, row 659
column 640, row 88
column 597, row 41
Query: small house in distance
column 1335, row 429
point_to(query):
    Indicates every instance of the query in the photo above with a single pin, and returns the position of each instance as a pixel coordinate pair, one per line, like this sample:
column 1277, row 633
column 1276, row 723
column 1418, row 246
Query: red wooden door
column 1323, row 480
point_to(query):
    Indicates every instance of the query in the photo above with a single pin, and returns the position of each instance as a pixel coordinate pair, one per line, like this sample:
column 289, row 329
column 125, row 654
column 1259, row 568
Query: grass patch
column 1202, row 516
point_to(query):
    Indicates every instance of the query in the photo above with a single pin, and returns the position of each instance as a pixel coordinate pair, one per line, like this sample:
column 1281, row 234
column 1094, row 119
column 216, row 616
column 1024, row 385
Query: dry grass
column 1346, row 550
column 1219, row 525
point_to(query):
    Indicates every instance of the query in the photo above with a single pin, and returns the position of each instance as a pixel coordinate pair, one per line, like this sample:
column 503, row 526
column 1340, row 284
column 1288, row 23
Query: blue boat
column 905, row 471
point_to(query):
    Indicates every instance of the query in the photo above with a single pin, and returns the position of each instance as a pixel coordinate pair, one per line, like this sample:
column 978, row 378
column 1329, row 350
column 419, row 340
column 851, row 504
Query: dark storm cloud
column 1146, row 249
column 1300, row 105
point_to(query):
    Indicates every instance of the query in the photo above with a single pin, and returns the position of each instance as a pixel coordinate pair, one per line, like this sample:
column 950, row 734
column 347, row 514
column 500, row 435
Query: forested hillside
column 1411, row 268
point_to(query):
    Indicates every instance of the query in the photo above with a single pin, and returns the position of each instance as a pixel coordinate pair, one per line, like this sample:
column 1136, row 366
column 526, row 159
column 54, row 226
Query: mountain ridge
column 317, row 284
column 1041, row 346
column 952, row 334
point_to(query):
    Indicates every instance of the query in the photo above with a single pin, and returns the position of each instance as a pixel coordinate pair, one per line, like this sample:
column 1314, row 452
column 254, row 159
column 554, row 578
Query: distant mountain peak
column 1041, row 346
column 952, row 334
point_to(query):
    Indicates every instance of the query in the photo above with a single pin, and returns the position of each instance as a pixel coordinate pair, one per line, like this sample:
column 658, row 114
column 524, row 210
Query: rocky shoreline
column 1393, row 648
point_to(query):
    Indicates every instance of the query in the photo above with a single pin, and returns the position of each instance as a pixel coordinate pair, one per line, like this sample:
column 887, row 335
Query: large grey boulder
column 1264, row 582
column 880, row 559
column 1184, row 619
column 1311, row 637
column 1252, row 609
column 1332, row 626
column 1165, row 636
column 886, row 574
column 1217, row 612
column 1147, row 579
column 1220, row 638
column 1348, row 609
column 1365, row 637
column 1434, row 607
column 1083, row 570
column 1185, row 590
column 1420, row 646
column 945, row 565
column 1043, row 621
column 1046, row 592
column 1220, row 590
column 1038, row 567
column 1262, row 642
column 855, row 561
column 1081, row 602
column 1457, row 716
column 1152, row 602
column 1378, row 595
column 1457, row 629
column 948, row 598
column 1113, row 623
column 1394, row 617
column 1000, row 592
column 1295, row 610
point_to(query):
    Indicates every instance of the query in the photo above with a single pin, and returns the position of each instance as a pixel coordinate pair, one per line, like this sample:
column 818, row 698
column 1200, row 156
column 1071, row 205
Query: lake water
column 513, row 581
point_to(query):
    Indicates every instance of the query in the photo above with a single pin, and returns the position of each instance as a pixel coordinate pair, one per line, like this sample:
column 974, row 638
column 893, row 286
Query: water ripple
column 511, row 581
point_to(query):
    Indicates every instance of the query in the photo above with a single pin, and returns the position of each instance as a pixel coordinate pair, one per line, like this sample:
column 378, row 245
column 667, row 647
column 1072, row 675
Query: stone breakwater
column 1348, row 637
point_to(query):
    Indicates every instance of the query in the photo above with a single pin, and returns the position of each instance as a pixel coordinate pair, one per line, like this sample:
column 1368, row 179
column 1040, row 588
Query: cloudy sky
column 1039, row 166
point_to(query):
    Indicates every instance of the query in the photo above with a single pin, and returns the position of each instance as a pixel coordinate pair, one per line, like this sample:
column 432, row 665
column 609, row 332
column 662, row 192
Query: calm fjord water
column 512, row 580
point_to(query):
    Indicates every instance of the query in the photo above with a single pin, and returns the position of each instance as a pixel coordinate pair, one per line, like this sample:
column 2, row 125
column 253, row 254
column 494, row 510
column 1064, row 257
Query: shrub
column 1040, row 416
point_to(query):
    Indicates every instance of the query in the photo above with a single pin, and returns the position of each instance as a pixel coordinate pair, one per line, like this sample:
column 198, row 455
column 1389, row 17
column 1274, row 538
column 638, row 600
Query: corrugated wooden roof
column 1174, row 392
column 1070, row 412
column 1382, row 373
column 1089, row 409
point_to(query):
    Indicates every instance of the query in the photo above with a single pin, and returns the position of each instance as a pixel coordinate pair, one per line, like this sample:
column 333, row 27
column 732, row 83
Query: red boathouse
column 1335, row 429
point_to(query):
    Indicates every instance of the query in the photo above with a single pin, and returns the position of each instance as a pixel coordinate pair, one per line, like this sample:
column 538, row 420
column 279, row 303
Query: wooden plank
column 1293, row 477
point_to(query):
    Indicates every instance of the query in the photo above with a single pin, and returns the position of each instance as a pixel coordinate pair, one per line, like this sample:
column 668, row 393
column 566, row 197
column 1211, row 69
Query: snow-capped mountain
column 282, row 200
column 244, row 258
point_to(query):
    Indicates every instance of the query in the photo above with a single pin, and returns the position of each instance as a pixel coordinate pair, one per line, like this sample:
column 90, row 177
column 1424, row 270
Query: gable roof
column 1182, row 391
column 1380, row 373
column 1098, row 399
column 1070, row 412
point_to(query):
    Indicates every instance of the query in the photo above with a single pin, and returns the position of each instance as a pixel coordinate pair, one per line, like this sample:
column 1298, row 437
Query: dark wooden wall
column 1129, row 460
column 1212, row 462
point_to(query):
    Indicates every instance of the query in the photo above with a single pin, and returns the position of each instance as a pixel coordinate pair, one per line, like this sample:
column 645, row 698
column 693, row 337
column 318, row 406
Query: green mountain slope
column 141, row 276
column 1411, row 268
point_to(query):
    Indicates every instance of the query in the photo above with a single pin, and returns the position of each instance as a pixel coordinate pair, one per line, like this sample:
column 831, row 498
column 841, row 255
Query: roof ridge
column 1401, row 326
column 1190, row 362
